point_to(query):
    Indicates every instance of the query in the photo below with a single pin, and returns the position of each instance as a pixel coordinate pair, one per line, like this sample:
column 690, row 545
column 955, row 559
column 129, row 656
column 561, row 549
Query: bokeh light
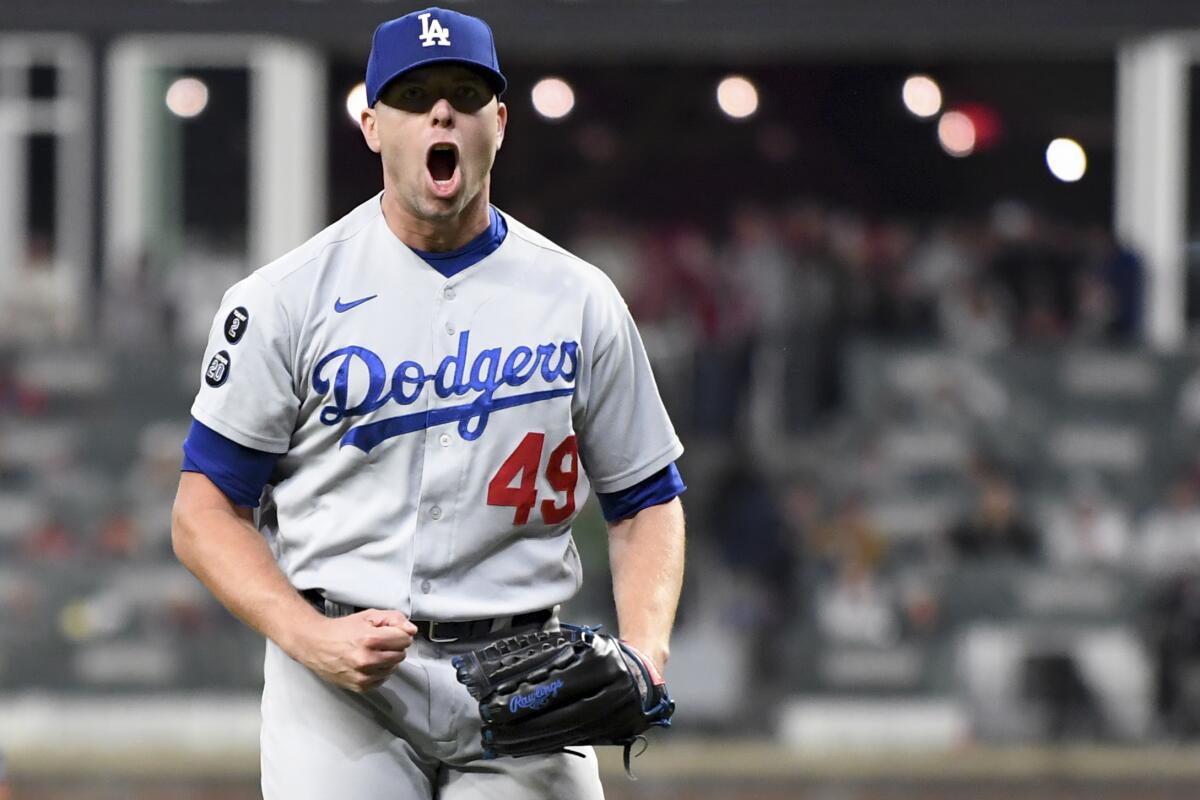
column 986, row 121
column 553, row 98
column 1066, row 159
column 356, row 101
column 737, row 96
column 956, row 134
column 187, row 97
column 922, row 95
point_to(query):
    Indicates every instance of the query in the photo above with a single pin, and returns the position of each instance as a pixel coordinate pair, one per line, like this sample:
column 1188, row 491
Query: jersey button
column 448, row 293
column 426, row 587
column 436, row 512
column 450, row 328
column 444, row 439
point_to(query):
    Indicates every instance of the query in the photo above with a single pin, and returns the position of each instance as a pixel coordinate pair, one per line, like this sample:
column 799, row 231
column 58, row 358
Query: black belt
column 437, row 631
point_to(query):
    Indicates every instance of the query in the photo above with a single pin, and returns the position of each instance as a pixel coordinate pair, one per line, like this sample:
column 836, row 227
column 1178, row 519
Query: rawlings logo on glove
column 544, row 691
column 535, row 699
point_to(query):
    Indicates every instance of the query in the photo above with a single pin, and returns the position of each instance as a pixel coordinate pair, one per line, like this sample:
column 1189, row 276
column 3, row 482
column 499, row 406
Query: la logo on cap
column 432, row 32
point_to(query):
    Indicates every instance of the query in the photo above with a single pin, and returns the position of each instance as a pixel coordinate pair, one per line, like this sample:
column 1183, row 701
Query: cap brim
column 494, row 79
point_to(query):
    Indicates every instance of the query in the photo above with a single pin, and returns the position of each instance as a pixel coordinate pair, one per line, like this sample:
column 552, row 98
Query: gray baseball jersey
column 438, row 435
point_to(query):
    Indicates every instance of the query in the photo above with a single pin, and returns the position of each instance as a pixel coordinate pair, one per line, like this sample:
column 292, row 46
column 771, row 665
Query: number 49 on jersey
column 515, row 483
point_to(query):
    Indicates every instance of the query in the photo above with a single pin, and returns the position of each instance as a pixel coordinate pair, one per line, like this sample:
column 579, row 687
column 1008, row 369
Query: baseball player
column 417, row 401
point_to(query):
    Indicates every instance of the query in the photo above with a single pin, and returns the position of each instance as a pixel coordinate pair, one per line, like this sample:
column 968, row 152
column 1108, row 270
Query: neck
column 436, row 235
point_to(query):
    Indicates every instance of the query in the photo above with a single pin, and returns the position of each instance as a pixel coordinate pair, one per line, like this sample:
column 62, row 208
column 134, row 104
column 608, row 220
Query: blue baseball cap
column 432, row 36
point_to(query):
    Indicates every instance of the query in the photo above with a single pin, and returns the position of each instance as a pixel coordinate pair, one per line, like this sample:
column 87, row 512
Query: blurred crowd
column 771, row 302
column 752, row 333
column 831, row 561
column 841, row 532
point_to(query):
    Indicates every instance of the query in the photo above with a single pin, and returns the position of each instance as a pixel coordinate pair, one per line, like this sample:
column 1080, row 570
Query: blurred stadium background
column 920, row 284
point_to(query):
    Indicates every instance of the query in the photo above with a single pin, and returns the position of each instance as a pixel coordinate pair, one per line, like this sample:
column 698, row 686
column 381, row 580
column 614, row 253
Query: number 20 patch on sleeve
column 515, row 482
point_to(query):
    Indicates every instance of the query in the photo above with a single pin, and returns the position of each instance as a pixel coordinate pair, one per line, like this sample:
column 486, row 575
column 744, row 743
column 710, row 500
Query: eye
column 467, row 91
column 412, row 97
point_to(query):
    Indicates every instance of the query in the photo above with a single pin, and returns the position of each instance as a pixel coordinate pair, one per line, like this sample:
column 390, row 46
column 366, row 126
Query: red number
column 562, row 477
column 524, row 462
column 562, row 473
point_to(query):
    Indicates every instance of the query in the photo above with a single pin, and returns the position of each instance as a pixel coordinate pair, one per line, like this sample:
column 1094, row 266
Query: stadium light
column 922, row 96
column 1066, row 159
column 356, row 101
column 553, row 98
column 737, row 97
column 956, row 134
column 187, row 97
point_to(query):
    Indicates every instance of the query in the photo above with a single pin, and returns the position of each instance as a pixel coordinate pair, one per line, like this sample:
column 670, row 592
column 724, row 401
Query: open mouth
column 442, row 161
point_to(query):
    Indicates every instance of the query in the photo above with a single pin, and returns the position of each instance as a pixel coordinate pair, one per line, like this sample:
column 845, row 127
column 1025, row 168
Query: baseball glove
column 544, row 691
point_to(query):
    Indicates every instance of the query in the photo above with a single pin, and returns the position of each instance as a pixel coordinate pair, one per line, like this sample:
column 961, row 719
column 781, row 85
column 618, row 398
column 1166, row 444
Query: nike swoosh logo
column 340, row 307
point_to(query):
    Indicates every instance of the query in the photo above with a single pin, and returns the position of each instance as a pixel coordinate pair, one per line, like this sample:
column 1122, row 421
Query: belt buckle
column 433, row 637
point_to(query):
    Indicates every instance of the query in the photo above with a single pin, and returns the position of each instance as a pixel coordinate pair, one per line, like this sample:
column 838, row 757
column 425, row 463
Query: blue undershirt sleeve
column 655, row 490
column 238, row 471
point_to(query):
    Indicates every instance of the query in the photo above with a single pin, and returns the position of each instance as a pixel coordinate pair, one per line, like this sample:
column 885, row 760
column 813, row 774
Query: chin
column 445, row 208
column 433, row 209
column 442, row 210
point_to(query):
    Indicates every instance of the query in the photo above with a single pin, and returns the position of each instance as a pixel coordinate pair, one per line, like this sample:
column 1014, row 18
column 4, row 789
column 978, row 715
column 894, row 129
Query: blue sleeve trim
column 238, row 471
column 655, row 490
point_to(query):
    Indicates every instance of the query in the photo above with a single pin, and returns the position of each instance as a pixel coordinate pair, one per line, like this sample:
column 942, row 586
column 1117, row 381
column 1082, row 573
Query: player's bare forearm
column 217, row 542
column 646, row 554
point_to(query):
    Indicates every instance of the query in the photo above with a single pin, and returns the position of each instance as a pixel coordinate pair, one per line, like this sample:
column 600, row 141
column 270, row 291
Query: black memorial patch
column 217, row 371
column 236, row 324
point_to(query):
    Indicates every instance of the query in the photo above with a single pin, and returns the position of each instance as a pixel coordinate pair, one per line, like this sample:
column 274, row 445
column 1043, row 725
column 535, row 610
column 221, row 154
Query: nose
column 442, row 113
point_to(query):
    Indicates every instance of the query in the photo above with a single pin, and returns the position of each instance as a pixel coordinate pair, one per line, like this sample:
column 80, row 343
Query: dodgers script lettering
column 457, row 375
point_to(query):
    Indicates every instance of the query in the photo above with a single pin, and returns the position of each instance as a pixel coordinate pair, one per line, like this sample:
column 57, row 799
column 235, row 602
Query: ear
column 370, row 131
column 501, row 123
